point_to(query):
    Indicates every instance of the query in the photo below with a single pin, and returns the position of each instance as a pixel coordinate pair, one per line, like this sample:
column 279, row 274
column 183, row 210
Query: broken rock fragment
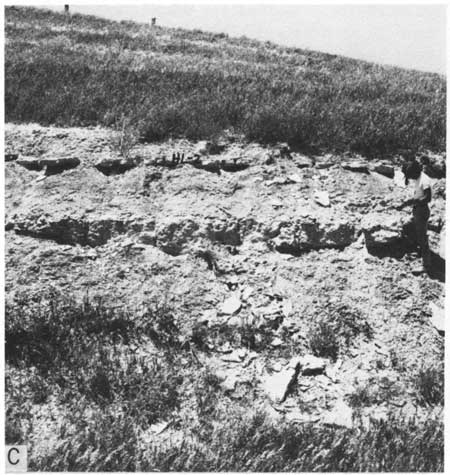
column 322, row 198
column 356, row 166
column 52, row 165
column 114, row 165
column 231, row 305
column 311, row 365
column 278, row 385
column 437, row 317
column 384, row 169
column 340, row 415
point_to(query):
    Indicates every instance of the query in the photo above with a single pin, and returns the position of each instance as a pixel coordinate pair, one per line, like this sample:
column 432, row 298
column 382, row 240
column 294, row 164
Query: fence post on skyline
column 67, row 13
column 153, row 21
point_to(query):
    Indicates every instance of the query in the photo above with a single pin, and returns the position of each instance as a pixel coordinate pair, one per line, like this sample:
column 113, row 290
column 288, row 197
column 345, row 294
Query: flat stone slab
column 231, row 305
column 114, row 165
column 311, row 365
column 322, row 198
column 383, row 169
column 341, row 415
column 356, row 166
column 53, row 164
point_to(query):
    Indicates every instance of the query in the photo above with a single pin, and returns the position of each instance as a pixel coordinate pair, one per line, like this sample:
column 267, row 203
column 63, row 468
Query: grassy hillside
column 174, row 82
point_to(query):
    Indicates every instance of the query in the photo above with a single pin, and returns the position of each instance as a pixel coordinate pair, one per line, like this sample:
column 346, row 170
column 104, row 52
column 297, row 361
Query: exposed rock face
column 302, row 161
column 208, row 242
column 233, row 166
column 301, row 235
column 278, row 385
column 383, row 169
column 434, row 164
column 71, row 229
column 225, row 231
column 340, row 415
column 311, row 365
column 381, row 231
column 438, row 317
column 114, row 165
column 174, row 233
column 53, row 165
column 356, row 166
column 322, row 198
column 231, row 305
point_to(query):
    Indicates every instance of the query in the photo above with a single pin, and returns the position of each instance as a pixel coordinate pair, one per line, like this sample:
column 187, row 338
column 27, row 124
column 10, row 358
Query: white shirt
column 420, row 185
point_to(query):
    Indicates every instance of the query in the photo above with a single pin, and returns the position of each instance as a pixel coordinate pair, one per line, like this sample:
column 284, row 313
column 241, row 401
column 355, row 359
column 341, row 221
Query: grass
column 250, row 442
column 81, row 360
column 429, row 384
column 338, row 326
column 179, row 83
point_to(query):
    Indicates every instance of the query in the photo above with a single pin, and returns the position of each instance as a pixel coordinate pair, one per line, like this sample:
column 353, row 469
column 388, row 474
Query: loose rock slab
column 437, row 317
column 114, row 165
column 384, row 169
column 340, row 415
column 277, row 385
column 231, row 305
column 356, row 166
column 322, row 198
column 312, row 365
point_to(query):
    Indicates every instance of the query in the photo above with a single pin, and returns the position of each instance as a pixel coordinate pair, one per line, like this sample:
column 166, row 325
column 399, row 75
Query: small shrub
column 363, row 395
column 123, row 138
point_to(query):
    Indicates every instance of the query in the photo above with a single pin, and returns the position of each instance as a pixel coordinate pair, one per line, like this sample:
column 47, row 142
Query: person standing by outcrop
column 421, row 211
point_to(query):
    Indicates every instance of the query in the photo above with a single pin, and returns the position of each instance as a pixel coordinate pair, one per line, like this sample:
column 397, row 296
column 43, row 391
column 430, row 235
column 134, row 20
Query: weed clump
column 324, row 341
column 429, row 385
column 338, row 327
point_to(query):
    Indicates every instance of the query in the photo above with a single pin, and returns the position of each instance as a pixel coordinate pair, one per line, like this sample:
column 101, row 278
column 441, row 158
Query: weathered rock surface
column 311, row 365
column 82, row 230
column 52, row 164
column 438, row 317
column 231, row 305
column 278, row 385
column 441, row 250
column 63, row 229
column 382, row 231
column 322, row 198
column 302, row 161
column 356, row 166
column 114, row 165
column 340, row 415
column 308, row 233
column 383, row 169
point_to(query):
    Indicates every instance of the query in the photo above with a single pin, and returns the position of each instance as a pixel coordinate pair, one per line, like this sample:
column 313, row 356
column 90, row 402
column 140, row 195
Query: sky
column 410, row 36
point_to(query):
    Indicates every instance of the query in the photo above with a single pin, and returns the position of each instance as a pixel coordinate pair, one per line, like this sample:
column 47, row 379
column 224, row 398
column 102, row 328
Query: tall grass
column 82, row 357
column 173, row 83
